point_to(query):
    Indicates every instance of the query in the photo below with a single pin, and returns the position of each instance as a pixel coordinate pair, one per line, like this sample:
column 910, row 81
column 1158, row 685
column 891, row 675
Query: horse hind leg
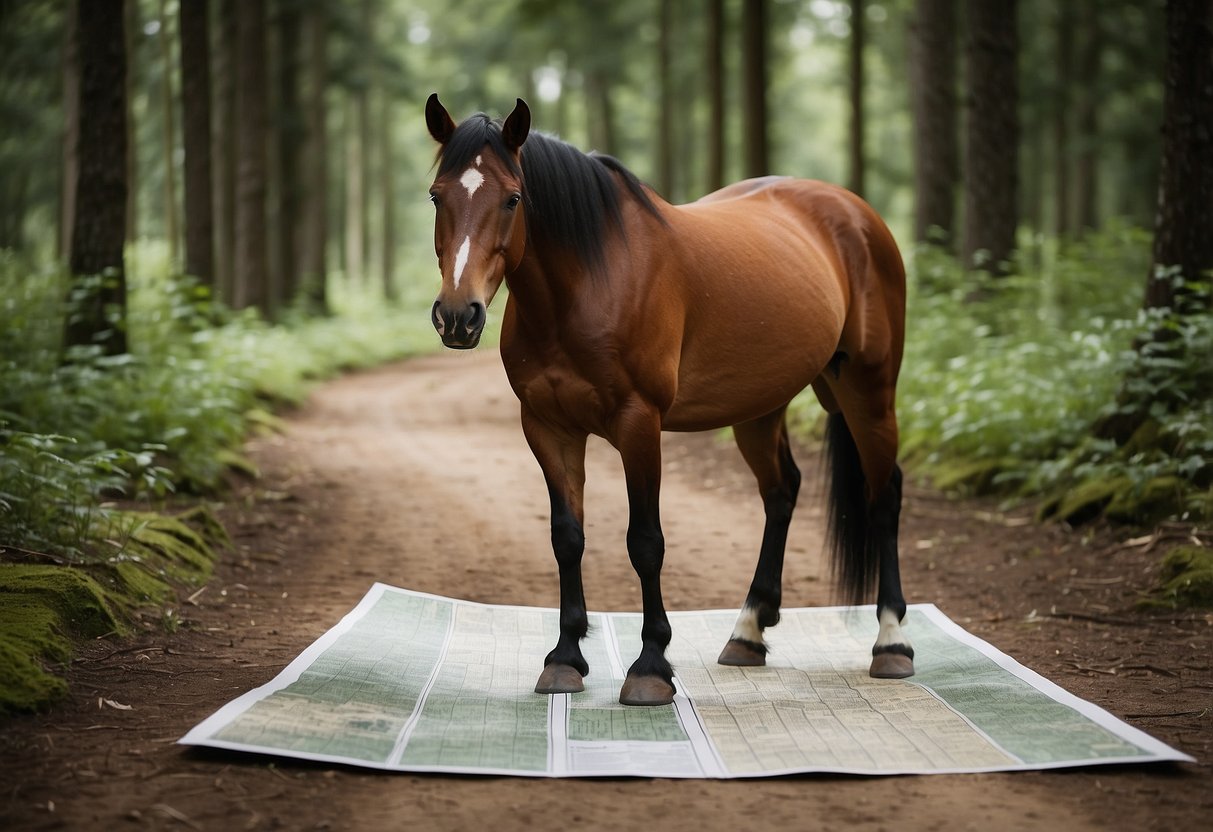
column 764, row 445
column 865, row 508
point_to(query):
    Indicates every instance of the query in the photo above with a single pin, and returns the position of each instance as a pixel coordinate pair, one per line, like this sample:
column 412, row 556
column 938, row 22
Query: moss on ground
column 1187, row 577
column 45, row 610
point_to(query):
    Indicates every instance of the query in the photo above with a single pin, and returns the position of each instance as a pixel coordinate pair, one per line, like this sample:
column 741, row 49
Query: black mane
column 571, row 197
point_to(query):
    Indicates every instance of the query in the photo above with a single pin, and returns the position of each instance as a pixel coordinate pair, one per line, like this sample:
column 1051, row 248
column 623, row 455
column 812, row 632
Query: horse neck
column 548, row 282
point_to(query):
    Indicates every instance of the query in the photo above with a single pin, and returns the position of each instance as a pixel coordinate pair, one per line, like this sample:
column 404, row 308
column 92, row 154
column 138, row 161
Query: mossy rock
column 1187, row 576
column 1084, row 502
column 43, row 610
column 1157, row 499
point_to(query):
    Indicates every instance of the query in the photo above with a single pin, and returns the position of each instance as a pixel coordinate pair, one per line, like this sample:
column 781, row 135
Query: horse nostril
column 436, row 319
column 476, row 317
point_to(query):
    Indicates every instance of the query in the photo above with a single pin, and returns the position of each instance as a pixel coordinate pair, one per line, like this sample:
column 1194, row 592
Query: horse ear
column 438, row 120
column 517, row 126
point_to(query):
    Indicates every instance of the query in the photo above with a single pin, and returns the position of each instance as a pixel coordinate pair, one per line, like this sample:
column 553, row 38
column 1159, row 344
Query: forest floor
column 417, row 475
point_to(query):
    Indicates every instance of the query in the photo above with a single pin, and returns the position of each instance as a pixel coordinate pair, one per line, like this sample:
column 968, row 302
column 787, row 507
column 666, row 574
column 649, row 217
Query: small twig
column 33, row 554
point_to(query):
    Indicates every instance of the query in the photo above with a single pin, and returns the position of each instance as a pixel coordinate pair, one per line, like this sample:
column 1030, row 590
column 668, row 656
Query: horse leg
column 561, row 455
column 866, row 495
column 650, row 679
column 764, row 445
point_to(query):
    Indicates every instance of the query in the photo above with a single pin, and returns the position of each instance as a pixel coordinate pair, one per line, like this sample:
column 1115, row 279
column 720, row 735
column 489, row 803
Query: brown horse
column 628, row 316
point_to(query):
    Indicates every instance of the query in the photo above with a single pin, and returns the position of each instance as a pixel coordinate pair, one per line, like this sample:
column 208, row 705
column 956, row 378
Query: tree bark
column 855, row 87
column 98, row 308
column 665, row 107
column 355, row 190
column 314, row 255
column 1086, row 167
column 71, row 130
column 754, row 60
column 223, row 149
column 251, row 251
column 1182, row 237
column 992, row 136
column 170, row 140
column 715, row 78
column 1063, row 161
column 387, row 182
column 196, row 134
column 131, row 10
column 933, row 102
column 290, row 137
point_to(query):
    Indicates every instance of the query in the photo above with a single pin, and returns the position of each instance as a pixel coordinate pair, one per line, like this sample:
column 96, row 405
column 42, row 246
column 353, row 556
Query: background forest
column 206, row 205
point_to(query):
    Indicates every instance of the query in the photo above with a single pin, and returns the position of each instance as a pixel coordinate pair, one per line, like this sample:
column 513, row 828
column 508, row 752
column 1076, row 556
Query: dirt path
column 417, row 475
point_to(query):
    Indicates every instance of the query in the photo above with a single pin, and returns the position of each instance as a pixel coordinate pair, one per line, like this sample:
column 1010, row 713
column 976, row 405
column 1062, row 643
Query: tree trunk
column 251, row 251
column 196, row 135
column 313, row 266
column 1182, row 238
column 933, row 101
column 1086, row 168
column 131, row 10
column 291, row 135
column 600, row 111
column 754, row 60
column 992, row 136
column 355, row 189
column 71, row 130
column 387, row 183
column 665, row 106
column 1063, row 161
column 98, row 308
column 223, row 149
column 170, row 140
column 715, row 76
column 855, row 87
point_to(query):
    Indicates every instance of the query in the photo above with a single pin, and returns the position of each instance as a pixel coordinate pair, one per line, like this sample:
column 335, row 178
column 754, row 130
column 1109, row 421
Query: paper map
column 415, row 682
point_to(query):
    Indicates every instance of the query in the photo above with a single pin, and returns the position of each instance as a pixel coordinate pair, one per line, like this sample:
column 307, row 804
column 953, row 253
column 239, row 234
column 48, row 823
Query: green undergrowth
column 1009, row 385
column 77, row 436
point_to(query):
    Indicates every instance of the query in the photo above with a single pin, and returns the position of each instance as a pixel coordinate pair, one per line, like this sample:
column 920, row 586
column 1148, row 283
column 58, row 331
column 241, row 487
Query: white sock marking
column 890, row 630
column 747, row 626
column 461, row 259
column 471, row 179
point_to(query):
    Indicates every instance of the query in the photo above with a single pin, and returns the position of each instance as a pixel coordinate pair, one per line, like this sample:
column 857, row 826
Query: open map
column 416, row 682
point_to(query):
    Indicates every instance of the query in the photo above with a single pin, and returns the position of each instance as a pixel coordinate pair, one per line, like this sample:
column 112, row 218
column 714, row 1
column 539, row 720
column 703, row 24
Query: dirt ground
column 417, row 475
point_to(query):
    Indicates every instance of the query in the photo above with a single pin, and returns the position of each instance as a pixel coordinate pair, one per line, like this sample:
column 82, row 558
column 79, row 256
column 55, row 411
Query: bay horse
column 628, row 316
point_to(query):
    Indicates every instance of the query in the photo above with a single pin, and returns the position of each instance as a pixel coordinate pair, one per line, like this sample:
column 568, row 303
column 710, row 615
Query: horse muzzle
column 459, row 326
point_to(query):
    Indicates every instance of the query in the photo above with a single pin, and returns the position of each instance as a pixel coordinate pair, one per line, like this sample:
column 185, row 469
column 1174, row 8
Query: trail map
column 415, row 682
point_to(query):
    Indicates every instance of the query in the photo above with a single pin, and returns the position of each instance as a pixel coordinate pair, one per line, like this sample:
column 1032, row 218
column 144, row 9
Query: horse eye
column 512, row 202
column 434, row 199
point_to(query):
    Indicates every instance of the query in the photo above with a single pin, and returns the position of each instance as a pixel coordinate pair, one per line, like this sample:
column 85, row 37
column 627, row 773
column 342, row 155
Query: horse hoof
column 646, row 690
column 738, row 653
column 891, row 666
column 559, row 678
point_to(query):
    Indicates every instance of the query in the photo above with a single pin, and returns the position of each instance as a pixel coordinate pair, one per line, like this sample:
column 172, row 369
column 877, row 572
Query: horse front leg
column 650, row 679
column 561, row 455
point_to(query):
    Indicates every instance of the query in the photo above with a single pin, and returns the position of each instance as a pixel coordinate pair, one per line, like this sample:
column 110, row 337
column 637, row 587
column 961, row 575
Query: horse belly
column 744, row 361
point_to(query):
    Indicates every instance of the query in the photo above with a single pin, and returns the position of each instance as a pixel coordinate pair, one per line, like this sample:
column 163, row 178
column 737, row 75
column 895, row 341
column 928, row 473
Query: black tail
column 855, row 561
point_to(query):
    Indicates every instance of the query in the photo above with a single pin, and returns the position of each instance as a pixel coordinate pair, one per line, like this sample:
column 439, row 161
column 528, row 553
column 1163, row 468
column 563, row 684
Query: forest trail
column 417, row 475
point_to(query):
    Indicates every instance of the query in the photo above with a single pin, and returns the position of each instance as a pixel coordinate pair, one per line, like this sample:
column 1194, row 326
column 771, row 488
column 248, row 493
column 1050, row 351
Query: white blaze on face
column 471, row 179
column 461, row 259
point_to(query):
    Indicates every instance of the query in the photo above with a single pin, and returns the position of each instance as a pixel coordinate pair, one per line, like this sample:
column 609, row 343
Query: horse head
column 479, row 229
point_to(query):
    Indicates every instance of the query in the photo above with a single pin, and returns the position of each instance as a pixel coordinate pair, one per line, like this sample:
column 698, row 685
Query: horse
column 628, row 316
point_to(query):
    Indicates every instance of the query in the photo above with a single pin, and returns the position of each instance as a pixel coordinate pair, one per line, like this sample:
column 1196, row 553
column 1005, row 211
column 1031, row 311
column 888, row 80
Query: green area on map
column 357, row 695
column 1023, row 720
